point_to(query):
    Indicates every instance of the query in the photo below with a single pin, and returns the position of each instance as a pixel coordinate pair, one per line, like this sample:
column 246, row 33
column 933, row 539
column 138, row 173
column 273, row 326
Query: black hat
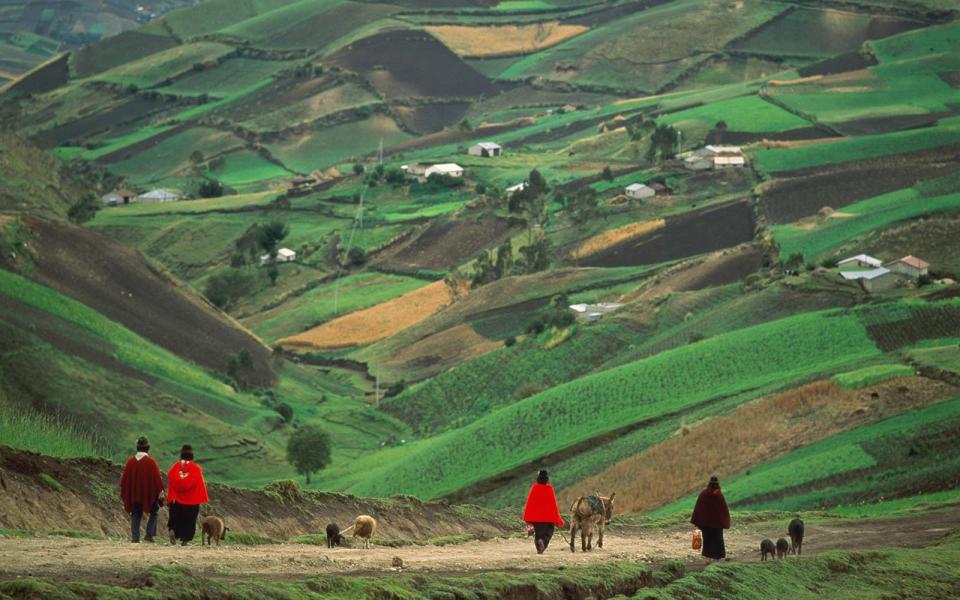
column 714, row 482
column 143, row 444
column 186, row 453
column 543, row 476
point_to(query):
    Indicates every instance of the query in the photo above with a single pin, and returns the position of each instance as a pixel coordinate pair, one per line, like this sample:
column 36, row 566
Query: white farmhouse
column 639, row 191
column 513, row 189
column 159, row 195
column 861, row 260
column 449, row 169
column 485, row 149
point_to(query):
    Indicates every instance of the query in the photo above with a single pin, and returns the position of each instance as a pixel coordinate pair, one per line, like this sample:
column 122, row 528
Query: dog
column 783, row 547
column 212, row 528
column 334, row 537
column 767, row 547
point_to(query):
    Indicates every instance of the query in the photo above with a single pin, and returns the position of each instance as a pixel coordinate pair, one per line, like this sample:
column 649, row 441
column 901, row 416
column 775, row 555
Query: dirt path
column 103, row 560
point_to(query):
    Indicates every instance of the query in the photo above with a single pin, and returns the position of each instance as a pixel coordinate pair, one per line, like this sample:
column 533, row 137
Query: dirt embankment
column 40, row 493
column 116, row 281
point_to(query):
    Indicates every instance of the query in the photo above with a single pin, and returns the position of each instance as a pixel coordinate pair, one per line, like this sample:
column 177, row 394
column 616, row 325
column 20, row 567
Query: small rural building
column 283, row 255
column 639, row 191
column 417, row 170
column 593, row 312
column 568, row 108
column 875, row 280
column 449, row 169
column 861, row 260
column 513, row 189
column 716, row 157
column 159, row 195
column 485, row 149
column 118, row 197
column 911, row 266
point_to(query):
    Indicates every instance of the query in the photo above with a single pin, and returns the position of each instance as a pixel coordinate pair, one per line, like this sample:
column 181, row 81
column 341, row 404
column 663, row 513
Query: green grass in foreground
column 45, row 434
column 870, row 375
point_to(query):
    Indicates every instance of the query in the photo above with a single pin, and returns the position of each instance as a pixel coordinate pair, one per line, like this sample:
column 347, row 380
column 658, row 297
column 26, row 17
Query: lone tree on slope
column 309, row 450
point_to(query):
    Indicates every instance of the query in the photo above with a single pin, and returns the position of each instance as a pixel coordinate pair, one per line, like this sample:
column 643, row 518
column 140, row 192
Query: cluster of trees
column 225, row 288
column 664, row 139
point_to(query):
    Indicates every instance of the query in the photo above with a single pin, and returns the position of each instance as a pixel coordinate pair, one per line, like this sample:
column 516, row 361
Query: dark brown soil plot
column 724, row 271
column 116, row 281
column 449, row 242
column 432, row 117
column 851, row 61
column 117, row 50
column 689, row 234
column 798, row 194
column 877, row 125
column 49, row 77
column 952, row 78
column 791, row 135
column 413, row 63
column 924, row 322
column 91, row 125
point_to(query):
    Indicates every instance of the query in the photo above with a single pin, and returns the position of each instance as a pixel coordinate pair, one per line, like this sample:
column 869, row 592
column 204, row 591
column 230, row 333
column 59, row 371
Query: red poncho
column 541, row 505
column 711, row 510
column 187, row 486
column 140, row 483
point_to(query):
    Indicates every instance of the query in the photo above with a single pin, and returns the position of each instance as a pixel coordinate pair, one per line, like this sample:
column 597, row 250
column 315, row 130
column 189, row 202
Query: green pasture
column 735, row 69
column 109, row 145
column 867, row 216
column 899, row 455
column 670, row 381
column 939, row 40
column 167, row 64
column 326, row 147
column 229, row 77
column 45, row 434
column 211, row 17
column 746, row 113
column 328, row 301
column 325, row 103
column 771, row 160
column 871, row 375
column 245, row 167
column 171, row 157
column 270, row 23
column 945, row 357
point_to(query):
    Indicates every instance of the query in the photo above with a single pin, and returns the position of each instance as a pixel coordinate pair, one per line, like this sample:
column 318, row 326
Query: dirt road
column 103, row 560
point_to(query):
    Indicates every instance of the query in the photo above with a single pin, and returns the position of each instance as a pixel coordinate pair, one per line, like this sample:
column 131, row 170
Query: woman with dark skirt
column 186, row 492
column 542, row 512
column 712, row 517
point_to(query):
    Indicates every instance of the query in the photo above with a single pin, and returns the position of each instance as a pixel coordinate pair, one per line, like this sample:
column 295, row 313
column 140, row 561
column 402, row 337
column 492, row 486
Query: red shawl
column 711, row 510
column 140, row 483
column 186, row 483
column 542, row 505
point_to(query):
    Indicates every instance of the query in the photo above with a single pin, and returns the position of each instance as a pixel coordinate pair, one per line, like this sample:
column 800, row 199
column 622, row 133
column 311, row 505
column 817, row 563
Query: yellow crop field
column 503, row 40
column 374, row 323
column 602, row 241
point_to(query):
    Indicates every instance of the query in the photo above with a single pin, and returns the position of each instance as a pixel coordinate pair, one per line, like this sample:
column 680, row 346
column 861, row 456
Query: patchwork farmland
column 637, row 243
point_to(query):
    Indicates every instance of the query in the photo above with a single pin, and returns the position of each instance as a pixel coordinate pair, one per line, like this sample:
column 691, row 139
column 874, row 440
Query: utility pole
column 376, row 401
column 679, row 142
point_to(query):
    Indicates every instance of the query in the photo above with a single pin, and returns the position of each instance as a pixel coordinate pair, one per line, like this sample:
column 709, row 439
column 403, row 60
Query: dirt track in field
column 102, row 560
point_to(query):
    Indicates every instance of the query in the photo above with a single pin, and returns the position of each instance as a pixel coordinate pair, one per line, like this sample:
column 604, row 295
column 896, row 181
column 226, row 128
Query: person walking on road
column 712, row 516
column 542, row 512
column 140, row 489
column 187, row 492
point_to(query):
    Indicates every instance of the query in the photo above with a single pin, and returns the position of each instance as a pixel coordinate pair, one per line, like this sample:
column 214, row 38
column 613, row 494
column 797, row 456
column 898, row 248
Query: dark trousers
column 713, row 542
column 543, row 531
column 183, row 520
column 136, row 517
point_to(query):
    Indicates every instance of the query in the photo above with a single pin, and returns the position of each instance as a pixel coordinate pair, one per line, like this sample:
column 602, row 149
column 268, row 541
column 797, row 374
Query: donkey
column 586, row 512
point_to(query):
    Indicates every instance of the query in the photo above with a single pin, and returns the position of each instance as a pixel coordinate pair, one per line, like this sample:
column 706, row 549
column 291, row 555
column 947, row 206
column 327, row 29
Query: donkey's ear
column 612, row 495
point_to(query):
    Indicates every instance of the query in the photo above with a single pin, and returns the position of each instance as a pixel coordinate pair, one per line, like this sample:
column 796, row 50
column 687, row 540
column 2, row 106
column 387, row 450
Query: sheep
column 782, row 548
column 364, row 527
column 795, row 529
column 212, row 528
column 767, row 547
column 334, row 537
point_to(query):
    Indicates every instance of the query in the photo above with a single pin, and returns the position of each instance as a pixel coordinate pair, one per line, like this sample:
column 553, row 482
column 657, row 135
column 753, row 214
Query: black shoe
column 183, row 543
column 540, row 547
column 148, row 539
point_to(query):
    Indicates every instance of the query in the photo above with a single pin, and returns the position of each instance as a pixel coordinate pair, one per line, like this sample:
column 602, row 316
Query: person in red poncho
column 542, row 511
column 187, row 491
column 712, row 517
column 140, row 489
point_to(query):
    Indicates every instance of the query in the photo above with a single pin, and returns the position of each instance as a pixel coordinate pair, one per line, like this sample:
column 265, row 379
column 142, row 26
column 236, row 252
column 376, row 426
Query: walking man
column 140, row 488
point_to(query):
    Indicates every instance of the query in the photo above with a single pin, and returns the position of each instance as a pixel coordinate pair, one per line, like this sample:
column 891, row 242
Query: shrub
column 510, row 341
column 284, row 410
column 308, row 450
column 50, row 482
column 224, row 289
